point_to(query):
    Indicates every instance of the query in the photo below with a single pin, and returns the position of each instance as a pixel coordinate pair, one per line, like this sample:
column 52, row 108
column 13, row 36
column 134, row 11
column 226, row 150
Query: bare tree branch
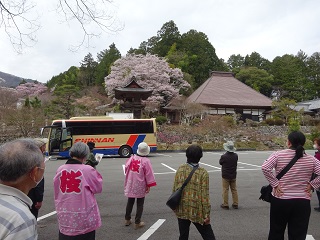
column 90, row 14
column 18, row 21
column 19, row 29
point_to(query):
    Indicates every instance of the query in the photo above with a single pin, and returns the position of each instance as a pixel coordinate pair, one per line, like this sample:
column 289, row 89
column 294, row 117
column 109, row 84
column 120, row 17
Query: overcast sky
column 270, row 27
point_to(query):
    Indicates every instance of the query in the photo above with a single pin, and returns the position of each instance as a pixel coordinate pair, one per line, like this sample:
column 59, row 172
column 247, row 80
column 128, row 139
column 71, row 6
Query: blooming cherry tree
column 31, row 89
column 151, row 72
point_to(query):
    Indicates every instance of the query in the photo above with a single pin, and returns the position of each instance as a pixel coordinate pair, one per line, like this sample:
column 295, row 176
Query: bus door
column 60, row 141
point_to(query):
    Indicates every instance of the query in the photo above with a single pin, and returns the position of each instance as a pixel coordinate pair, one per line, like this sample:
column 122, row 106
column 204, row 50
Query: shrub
column 161, row 120
column 293, row 125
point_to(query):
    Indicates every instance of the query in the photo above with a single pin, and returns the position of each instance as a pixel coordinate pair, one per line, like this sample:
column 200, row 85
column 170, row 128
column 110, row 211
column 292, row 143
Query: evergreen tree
column 105, row 59
column 88, row 69
column 201, row 54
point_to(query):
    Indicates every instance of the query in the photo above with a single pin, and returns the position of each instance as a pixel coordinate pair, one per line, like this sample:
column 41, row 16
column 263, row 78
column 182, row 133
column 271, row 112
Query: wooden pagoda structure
column 131, row 97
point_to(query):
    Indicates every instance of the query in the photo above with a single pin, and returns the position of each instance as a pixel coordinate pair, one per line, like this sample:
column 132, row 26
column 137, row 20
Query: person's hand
column 38, row 205
column 206, row 221
column 309, row 189
column 147, row 189
column 278, row 191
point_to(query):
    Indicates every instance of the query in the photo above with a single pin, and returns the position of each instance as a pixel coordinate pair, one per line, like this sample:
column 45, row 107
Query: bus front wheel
column 125, row 151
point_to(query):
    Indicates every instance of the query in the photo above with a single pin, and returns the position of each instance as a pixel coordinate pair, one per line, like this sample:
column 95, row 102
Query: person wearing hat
column 138, row 180
column 36, row 193
column 229, row 162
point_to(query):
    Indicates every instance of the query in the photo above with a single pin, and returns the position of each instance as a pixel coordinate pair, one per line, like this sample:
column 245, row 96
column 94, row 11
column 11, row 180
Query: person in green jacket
column 91, row 159
column 195, row 204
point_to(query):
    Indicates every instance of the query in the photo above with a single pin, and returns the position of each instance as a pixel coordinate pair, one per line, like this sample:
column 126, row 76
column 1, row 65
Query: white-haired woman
column 75, row 186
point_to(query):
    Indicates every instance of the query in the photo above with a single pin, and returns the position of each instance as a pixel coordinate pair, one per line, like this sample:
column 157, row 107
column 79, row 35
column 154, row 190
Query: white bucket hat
column 40, row 141
column 229, row 146
column 143, row 149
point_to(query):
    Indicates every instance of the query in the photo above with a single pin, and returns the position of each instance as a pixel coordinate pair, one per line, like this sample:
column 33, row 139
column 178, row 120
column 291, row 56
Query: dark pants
column 35, row 211
column 292, row 212
column 318, row 195
column 205, row 230
column 130, row 203
column 86, row 236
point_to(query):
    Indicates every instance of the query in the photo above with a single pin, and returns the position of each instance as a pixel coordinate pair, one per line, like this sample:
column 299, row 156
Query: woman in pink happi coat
column 139, row 179
column 75, row 185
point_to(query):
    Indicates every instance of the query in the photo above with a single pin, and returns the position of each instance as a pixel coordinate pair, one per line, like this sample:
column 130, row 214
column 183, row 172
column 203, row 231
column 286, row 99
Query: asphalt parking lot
column 249, row 222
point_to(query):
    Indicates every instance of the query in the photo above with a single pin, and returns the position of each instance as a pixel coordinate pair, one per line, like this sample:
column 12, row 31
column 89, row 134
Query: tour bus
column 111, row 136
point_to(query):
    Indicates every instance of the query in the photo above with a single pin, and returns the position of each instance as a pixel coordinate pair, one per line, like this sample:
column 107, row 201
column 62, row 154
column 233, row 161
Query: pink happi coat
column 76, row 205
column 139, row 176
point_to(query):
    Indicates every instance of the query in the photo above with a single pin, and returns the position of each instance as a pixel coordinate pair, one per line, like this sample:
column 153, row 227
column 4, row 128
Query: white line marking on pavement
column 163, row 155
column 47, row 215
column 123, row 167
column 169, row 167
column 152, row 229
column 209, row 165
column 215, row 153
column 163, row 173
column 309, row 237
column 250, row 164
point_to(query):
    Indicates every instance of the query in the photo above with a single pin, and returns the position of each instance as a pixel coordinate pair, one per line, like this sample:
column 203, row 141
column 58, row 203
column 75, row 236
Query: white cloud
column 269, row 27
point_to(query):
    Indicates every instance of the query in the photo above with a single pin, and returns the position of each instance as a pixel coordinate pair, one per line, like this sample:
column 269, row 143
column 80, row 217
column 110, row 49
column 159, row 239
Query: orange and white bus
column 111, row 137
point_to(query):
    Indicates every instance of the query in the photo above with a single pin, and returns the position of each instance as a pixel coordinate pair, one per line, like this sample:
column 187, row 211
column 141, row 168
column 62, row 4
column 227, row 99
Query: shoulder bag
column 267, row 189
column 174, row 200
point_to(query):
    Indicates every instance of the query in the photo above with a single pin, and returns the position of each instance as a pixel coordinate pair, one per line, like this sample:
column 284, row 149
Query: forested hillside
column 9, row 80
column 293, row 76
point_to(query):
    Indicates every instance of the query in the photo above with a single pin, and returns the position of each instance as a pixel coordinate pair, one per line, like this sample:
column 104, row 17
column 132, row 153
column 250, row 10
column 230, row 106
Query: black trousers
column 292, row 212
column 86, row 236
column 130, row 203
column 35, row 211
column 318, row 195
column 205, row 230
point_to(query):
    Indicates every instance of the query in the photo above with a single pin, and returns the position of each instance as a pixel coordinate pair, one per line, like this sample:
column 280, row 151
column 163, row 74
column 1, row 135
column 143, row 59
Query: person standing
column 316, row 146
column 290, row 204
column 229, row 162
column 91, row 159
column 36, row 194
column 195, row 204
column 138, row 180
column 21, row 169
column 75, row 186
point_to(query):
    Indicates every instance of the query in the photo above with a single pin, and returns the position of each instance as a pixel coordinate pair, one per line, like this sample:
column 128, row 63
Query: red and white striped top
column 294, row 182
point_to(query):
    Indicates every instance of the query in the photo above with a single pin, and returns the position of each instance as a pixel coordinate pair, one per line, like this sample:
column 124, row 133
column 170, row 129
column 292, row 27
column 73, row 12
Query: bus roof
column 91, row 118
column 98, row 118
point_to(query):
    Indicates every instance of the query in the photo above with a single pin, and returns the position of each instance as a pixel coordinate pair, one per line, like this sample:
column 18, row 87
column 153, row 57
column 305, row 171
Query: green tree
column 88, row 67
column 313, row 72
column 258, row 79
column 284, row 109
column 69, row 77
column 105, row 59
column 35, row 103
column 167, row 36
column 23, row 81
column 235, row 63
column 256, row 60
column 64, row 102
column 290, row 78
column 201, row 54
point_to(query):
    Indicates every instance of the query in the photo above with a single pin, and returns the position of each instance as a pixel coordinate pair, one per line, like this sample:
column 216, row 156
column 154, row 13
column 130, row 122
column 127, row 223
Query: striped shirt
column 195, row 202
column 16, row 220
column 295, row 181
